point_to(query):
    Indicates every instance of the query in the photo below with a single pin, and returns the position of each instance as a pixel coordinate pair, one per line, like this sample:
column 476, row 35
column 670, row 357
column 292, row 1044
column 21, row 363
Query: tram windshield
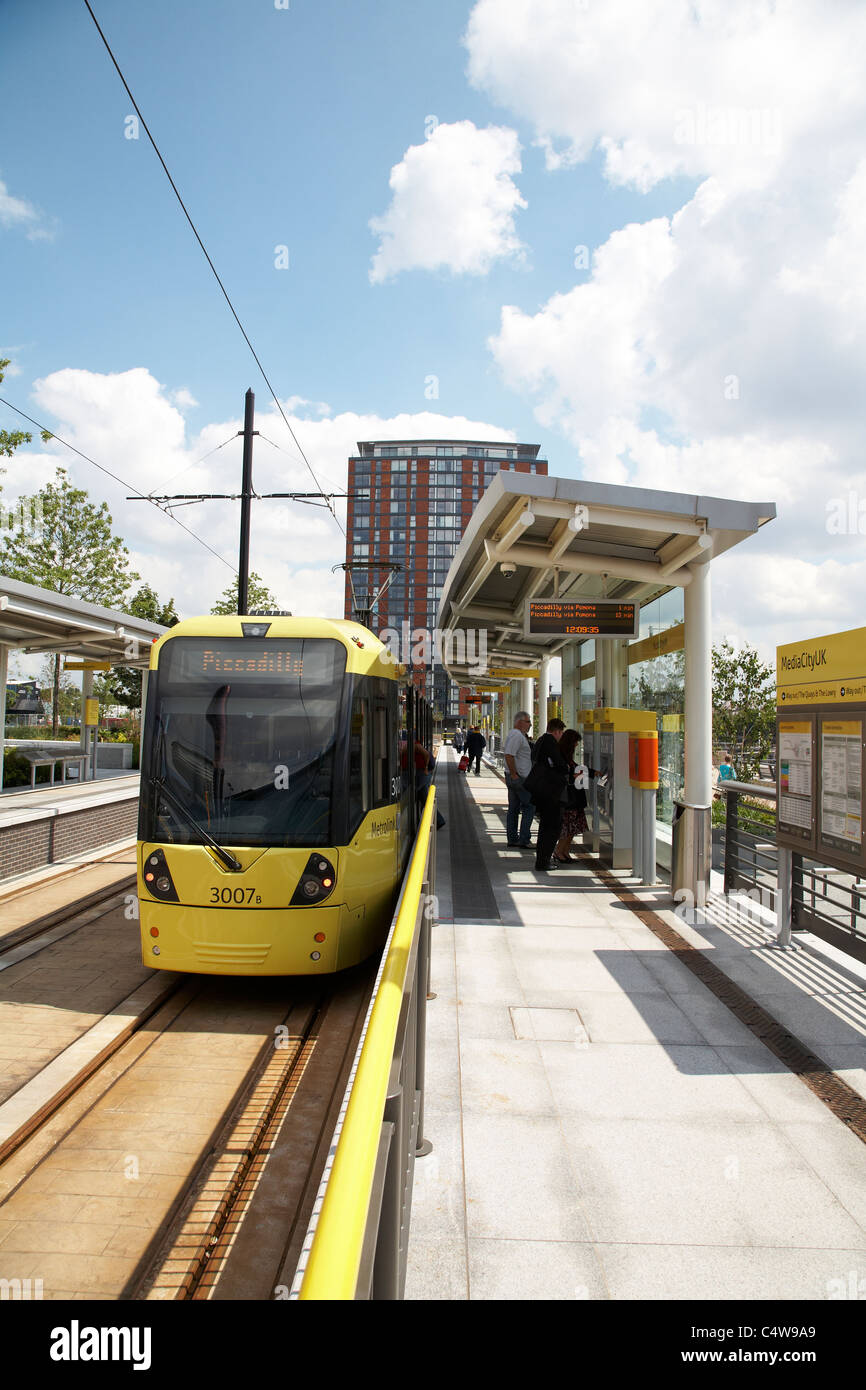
column 242, row 735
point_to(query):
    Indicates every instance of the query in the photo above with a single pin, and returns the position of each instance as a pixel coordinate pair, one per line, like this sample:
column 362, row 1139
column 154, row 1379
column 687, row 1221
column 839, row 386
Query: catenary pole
column 246, row 497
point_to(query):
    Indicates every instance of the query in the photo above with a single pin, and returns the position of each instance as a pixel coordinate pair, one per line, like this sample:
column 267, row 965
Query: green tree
column 258, row 596
column 64, row 696
column 744, row 707
column 10, row 440
column 73, row 550
column 122, row 684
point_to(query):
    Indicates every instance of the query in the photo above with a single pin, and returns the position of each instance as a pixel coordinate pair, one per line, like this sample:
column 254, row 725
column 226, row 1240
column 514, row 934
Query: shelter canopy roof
column 38, row 620
column 572, row 539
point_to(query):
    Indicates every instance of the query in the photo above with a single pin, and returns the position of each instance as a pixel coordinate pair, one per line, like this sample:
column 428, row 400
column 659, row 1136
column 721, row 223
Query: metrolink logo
column 418, row 646
column 805, row 661
column 76, row 1343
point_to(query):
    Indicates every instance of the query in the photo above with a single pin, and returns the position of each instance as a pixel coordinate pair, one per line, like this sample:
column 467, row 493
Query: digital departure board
column 582, row 618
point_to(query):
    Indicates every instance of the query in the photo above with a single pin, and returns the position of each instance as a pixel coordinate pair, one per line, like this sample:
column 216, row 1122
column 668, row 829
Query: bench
column 49, row 759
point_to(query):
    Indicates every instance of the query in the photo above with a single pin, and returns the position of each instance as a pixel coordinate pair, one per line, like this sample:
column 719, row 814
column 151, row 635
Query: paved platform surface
column 18, row 803
column 603, row 1127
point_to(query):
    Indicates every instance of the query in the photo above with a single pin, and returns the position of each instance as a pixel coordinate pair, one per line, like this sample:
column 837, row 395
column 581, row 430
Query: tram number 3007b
column 239, row 896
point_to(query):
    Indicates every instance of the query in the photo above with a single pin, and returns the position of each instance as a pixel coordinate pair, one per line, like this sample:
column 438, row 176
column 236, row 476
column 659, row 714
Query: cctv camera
column 507, row 568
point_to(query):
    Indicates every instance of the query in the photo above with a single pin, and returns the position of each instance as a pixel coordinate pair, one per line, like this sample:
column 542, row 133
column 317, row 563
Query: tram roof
column 631, row 543
column 39, row 620
column 366, row 654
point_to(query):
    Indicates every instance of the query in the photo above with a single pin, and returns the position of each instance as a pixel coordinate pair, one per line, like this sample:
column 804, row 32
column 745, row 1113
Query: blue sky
column 723, row 252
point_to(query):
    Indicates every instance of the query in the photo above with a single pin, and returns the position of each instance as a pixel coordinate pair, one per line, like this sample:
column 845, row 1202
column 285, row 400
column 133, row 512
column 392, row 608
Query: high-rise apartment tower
column 410, row 502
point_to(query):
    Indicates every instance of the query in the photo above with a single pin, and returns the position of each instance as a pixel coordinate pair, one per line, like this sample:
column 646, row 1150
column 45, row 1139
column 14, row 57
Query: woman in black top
column 549, row 776
column 573, row 799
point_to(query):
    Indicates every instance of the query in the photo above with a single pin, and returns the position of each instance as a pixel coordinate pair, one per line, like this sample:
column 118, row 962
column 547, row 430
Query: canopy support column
column 4, row 667
column 699, row 689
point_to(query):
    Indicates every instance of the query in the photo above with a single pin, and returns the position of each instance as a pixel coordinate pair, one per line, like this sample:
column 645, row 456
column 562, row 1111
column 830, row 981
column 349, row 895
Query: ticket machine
column 586, row 723
column 607, row 750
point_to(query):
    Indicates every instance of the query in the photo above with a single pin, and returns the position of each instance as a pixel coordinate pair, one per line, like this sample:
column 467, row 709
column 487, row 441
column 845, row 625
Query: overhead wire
column 209, row 261
column 142, row 495
column 196, row 462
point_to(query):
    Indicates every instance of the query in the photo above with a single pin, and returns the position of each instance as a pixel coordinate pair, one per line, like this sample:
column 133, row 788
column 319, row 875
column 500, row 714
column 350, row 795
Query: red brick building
column 410, row 501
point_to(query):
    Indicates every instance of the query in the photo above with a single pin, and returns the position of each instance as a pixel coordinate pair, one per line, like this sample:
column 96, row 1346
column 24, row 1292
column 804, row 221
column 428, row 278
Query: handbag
column 542, row 783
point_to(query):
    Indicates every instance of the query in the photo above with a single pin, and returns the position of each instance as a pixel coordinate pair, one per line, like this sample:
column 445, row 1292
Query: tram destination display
column 581, row 618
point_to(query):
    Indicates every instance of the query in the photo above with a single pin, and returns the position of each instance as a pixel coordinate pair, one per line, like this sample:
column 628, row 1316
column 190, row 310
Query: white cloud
column 183, row 399
column 453, row 204
column 127, row 422
column 720, row 350
column 18, row 213
column 667, row 87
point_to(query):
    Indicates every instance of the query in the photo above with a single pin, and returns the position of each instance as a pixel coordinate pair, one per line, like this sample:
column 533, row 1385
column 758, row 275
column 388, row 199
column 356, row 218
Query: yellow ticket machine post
column 643, row 775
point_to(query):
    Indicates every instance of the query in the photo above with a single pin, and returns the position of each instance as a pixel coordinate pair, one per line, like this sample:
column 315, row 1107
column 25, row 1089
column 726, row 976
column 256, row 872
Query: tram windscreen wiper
column 222, row 853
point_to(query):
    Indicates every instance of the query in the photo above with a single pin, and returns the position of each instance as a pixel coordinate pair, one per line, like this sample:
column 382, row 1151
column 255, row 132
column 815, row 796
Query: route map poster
column 796, row 790
column 841, row 784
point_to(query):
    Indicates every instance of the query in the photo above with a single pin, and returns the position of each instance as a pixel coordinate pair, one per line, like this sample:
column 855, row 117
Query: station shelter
column 545, row 560
column 39, row 621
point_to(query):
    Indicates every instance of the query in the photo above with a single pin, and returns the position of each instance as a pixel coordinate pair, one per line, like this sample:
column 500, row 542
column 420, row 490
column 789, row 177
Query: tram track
column 240, row 1231
column 62, row 921
column 193, row 1109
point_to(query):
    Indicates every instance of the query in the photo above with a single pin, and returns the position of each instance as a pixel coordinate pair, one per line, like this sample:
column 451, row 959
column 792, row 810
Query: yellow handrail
column 335, row 1255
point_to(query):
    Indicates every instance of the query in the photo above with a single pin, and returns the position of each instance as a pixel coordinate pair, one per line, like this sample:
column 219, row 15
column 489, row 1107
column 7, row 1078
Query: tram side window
column 382, row 741
column 403, row 721
column 360, row 799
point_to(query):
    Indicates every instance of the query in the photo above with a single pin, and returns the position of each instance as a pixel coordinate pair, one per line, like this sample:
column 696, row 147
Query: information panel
column 841, row 826
column 796, row 756
column 821, row 748
column 590, row 618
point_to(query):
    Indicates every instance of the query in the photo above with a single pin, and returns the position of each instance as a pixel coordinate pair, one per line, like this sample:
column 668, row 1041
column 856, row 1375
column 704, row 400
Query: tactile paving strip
column 845, row 1103
column 471, row 890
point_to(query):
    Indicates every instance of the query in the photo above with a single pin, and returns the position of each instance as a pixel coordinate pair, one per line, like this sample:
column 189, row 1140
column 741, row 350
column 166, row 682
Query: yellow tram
column 277, row 795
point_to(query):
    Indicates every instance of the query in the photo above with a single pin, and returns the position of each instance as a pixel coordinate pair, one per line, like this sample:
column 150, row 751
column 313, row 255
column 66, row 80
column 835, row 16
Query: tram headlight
column 316, row 882
column 157, row 877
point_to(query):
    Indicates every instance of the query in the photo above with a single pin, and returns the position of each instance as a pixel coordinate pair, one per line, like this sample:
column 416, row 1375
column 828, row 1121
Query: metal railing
column 357, row 1242
column 826, row 901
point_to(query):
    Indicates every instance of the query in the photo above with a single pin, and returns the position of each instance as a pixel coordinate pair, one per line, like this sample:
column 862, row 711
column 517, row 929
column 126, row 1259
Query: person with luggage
column 475, row 746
